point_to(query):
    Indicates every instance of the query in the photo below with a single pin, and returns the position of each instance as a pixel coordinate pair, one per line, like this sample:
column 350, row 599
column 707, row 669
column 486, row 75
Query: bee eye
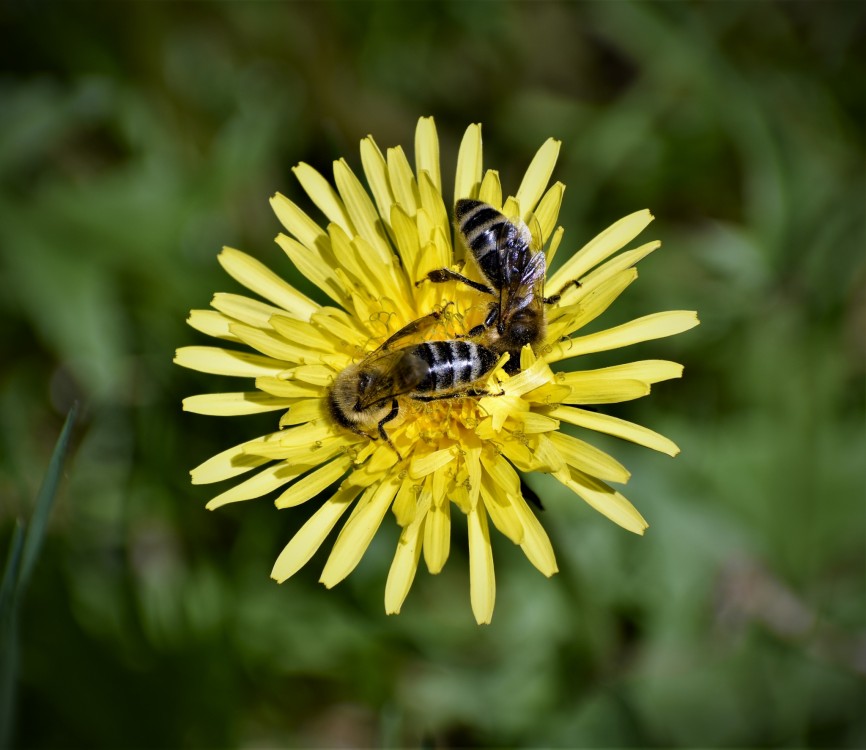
column 363, row 381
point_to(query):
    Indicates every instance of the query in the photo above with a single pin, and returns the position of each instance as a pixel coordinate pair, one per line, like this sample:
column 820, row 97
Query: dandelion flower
column 462, row 453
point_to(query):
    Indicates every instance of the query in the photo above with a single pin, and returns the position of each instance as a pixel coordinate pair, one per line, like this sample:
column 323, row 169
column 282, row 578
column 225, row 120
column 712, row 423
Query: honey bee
column 513, row 271
column 364, row 396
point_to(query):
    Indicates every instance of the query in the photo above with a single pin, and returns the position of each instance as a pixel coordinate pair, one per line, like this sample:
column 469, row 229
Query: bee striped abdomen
column 485, row 230
column 453, row 364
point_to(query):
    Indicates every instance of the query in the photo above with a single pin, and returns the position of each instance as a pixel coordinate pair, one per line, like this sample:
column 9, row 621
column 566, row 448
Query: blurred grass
column 137, row 139
column 26, row 544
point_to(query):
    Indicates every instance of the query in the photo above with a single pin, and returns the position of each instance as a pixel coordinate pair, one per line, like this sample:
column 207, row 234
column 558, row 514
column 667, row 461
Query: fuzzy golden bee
column 364, row 396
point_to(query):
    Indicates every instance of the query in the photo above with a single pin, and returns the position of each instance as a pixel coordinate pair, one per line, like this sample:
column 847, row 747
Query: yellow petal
column 211, row 323
column 527, row 380
column 229, row 463
column 311, row 267
column 218, row 361
column 268, row 342
column 431, row 202
column 646, row 370
column 320, row 375
column 501, row 511
column 259, row 278
column 646, row 328
column 421, row 466
column 500, row 408
column 262, row 483
column 537, row 176
column 467, row 180
column 314, row 483
column 406, row 237
column 501, row 473
column 472, row 458
column 491, row 189
column 305, row 436
column 358, row 532
column 589, row 459
column 407, row 501
column 603, row 390
column 458, row 492
column 311, row 535
column 427, row 151
column 351, row 272
column 305, row 410
column 376, row 172
column 245, row 310
column 403, row 568
column 302, row 333
column 403, row 182
column 435, row 254
column 324, row 196
column 520, row 455
column 292, row 389
column 361, row 210
column 310, row 443
column 338, row 326
column 531, row 422
column 616, row 264
column 544, row 396
column 554, row 245
column 545, row 456
column 297, row 223
column 602, row 246
column 482, row 583
column 547, row 212
column 441, row 485
column 233, row 404
column 390, row 281
column 308, row 454
column 593, row 303
column 437, row 536
column 382, row 459
column 617, row 427
column 511, row 209
column 606, row 501
column 536, row 544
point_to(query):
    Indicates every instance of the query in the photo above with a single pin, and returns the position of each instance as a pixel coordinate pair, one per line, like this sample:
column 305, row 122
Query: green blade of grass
column 23, row 553
column 10, row 573
column 45, row 502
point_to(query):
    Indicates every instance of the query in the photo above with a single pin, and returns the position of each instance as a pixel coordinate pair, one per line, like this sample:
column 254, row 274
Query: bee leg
column 555, row 297
column 491, row 318
column 462, row 394
column 446, row 274
column 479, row 392
column 473, row 332
column 395, row 410
column 427, row 399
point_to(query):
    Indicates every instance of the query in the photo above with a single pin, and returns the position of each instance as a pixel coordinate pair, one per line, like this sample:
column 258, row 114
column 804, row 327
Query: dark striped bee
column 513, row 271
column 363, row 397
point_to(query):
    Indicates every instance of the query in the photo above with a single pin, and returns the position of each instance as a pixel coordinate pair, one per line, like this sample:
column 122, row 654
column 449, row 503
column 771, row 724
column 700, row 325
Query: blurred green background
column 137, row 138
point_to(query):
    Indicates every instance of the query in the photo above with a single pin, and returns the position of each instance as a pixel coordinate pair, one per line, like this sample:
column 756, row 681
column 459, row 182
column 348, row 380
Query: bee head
column 350, row 395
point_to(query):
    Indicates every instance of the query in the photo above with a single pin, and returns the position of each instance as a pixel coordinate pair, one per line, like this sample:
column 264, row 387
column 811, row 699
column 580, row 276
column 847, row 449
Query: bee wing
column 525, row 282
column 534, row 270
column 391, row 374
column 416, row 326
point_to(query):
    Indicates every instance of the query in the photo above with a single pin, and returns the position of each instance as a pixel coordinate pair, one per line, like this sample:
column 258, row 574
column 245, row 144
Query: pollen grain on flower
column 370, row 258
